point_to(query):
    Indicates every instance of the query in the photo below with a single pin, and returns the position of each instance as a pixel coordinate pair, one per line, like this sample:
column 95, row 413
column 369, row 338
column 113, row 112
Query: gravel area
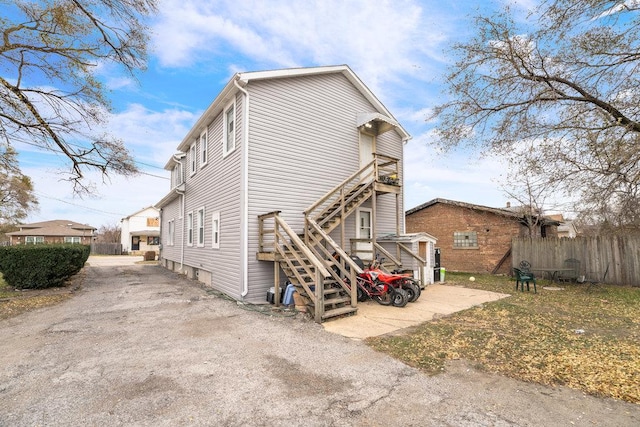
column 141, row 346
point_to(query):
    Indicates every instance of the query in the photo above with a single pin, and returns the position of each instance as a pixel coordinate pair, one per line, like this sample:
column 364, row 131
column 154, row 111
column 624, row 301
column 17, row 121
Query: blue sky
column 397, row 47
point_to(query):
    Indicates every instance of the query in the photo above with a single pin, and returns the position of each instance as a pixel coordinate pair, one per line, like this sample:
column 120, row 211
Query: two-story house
column 140, row 231
column 285, row 175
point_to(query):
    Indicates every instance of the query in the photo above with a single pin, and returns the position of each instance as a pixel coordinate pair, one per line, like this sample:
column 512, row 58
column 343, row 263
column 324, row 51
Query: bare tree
column 109, row 233
column 50, row 96
column 566, row 87
column 16, row 191
column 531, row 194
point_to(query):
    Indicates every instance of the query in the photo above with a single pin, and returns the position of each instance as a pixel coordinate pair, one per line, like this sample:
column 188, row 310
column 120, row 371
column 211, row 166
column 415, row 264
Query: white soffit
column 385, row 123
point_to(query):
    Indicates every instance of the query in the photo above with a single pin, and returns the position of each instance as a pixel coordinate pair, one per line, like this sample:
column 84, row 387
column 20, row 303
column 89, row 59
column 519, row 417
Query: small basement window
column 465, row 239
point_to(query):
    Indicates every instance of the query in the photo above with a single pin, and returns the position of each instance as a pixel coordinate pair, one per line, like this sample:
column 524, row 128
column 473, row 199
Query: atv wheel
column 399, row 297
column 413, row 291
column 362, row 296
column 384, row 299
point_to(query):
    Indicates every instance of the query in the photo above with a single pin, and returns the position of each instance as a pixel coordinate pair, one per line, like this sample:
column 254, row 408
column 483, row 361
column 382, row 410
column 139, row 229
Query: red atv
column 386, row 289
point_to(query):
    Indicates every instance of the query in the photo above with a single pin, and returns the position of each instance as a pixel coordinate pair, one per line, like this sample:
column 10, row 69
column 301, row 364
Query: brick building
column 56, row 231
column 474, row 238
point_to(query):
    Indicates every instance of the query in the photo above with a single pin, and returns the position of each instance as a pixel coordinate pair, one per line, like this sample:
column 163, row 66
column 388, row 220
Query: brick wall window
column 465, row 239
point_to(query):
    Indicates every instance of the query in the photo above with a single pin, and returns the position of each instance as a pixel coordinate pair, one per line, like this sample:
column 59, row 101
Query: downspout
column 182, row 200
column 244, row 195
column 405, row 140
column 183, row 203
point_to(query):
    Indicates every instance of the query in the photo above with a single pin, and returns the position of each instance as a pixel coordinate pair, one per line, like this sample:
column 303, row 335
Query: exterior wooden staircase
column 313, row 260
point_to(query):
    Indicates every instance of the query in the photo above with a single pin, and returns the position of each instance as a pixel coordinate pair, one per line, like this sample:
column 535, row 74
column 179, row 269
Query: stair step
column 338, row 300
column 339, row 312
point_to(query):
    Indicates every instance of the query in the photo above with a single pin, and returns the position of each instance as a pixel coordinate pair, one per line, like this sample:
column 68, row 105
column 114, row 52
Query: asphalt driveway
column 141, row 346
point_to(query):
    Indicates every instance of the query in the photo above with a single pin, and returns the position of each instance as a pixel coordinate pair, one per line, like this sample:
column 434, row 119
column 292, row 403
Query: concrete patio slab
column 374, row 319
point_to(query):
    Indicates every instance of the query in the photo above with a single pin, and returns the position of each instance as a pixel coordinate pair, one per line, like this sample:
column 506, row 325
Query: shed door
column 367, row 146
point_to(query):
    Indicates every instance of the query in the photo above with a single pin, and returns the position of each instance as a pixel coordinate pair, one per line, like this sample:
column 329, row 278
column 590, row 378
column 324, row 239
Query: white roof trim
column 172, row 160
column 142, row 210
column 290, row 72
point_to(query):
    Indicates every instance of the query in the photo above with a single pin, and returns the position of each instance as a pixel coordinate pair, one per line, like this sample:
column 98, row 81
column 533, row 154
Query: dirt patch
column 22, row 301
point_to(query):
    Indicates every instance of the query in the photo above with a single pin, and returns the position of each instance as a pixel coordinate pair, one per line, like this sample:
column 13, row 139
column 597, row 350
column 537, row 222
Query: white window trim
column 37, row 240
column 204, row 153
column 73, row 239
column 200, row 220
column 190, row 228
column 225, row 134
column 358, row 231
column 215, row 230
column 176, row 175
column 193, row 158
column 171, row 232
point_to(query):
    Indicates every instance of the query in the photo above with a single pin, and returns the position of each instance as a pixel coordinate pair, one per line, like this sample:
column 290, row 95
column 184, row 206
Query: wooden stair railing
column 318, row 264
column 316, row 282
column 343, row 199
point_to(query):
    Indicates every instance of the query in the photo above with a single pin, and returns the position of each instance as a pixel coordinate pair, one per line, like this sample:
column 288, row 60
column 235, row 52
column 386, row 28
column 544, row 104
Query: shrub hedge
column 41, row 266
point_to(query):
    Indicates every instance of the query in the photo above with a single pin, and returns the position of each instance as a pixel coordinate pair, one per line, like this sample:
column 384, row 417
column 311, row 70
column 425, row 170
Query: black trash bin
column 436, row 268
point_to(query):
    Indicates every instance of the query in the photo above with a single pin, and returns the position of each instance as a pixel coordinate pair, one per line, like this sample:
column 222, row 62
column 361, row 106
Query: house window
column 215, row 230
column 153, row 240
column 201, row 227
column 229, row 137
column 203, row 149
column 72, row 239
column 153, row 222
column 32, row 240
column 190, row 229
column 465, row 239
column 171, row 232
column 176, row 175
column 193, row 158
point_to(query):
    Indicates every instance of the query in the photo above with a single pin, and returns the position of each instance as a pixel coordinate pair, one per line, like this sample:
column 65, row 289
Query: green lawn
column 584, row 336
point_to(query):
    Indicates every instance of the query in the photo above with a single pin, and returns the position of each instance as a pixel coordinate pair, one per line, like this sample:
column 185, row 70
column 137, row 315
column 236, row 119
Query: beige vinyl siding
column 303, row 142
column 217, row 188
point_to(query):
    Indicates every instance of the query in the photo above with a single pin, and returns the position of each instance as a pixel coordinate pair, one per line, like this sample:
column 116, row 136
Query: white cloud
column 152, row 136
column 431, row 174
column 379, row 40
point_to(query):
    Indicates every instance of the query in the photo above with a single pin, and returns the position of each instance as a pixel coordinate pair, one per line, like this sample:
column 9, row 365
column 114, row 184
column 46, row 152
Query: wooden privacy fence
column 106, row 248
column 620, row 253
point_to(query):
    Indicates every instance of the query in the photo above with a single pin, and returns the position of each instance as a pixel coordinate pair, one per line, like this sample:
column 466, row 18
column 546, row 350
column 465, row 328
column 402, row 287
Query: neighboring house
column 566, row 228
column 474, row 238
column 56, row 231
column 285, row 173
column 140, row 231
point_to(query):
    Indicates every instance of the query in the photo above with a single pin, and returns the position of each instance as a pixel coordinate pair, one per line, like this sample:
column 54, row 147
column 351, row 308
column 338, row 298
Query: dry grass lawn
column 13, row 303
column 584, row 336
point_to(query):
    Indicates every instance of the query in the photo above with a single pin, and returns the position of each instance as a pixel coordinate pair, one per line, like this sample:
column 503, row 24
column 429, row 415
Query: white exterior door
column 364, row 231
column 367, row 145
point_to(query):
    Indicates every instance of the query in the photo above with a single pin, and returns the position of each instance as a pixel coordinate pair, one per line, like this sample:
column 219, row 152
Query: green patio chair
column 523, row 277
